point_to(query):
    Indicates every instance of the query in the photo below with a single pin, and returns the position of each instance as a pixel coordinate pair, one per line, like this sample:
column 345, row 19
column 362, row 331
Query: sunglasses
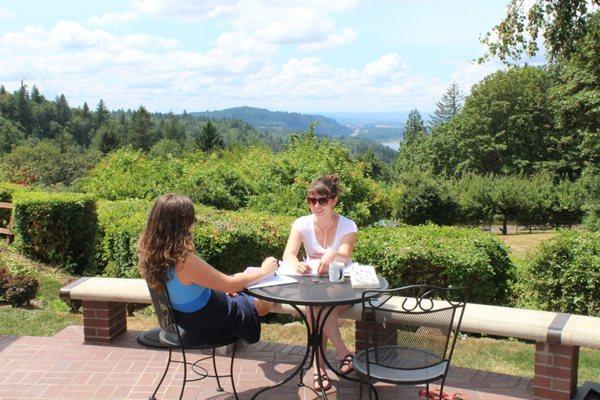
column 321, row 200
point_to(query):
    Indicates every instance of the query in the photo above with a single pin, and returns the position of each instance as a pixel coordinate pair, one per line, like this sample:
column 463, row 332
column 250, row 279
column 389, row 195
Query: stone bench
column 558, row 336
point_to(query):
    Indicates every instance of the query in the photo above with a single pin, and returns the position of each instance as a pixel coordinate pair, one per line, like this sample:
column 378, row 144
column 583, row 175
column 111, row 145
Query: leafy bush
column 230, row 241
column 21, row 289
column 440, row 256
column 282, row 186
column 564, row 275
column 424, row 198
column 58, row 228
column 128, row 173
column 4, row 279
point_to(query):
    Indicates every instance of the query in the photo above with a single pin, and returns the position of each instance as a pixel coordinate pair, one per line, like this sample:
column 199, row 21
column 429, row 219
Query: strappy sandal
column 460, row 396
column 347, row 362
column 323, row 380
column 434, row 394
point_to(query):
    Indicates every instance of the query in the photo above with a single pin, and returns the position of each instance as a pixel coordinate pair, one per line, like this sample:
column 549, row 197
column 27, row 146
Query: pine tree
column 63, row 111
column 102, row 114
column 141, row 135
column 209, row 138
column 414, row 127
column 447, row 107
column 36, row 97
column 24, row 114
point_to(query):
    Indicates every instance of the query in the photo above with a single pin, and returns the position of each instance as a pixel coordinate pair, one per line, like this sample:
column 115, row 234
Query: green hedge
column 564, row 275
column 6, row 194
column 441, row 256
column 57, row 228
column 230, row 241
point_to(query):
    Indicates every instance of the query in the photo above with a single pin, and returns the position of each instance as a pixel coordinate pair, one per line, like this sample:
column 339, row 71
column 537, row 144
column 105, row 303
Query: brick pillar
column 555, row 371
column 103, row 321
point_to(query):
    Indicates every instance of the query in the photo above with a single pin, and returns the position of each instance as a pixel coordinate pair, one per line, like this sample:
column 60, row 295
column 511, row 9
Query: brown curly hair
column 167, row 238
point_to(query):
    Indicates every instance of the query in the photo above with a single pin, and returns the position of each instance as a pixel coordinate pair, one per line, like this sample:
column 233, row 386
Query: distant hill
column 279, row 121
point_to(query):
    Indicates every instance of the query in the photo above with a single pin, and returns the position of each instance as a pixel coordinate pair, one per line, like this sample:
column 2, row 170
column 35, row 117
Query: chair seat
column 410, row 365
column 168, row 337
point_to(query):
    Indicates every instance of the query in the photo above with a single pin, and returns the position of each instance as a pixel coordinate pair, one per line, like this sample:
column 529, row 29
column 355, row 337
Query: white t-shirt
column 306, row 226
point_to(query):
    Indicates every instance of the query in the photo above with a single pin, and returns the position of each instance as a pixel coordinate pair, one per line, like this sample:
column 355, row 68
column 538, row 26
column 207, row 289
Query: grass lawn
column 522, row 245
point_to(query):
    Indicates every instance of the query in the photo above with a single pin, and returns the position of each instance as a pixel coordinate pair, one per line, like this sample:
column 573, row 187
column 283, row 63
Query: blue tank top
column 186, row 298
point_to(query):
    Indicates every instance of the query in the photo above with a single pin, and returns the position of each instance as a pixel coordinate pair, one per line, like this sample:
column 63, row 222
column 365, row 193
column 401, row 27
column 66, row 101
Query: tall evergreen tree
column 63, row 111
column 141, row 135
column 448, row 106
column 36, row 97
column 102, row 114
column 171, row 128
column 414, row 127
column 209, row 138
column 24, row 115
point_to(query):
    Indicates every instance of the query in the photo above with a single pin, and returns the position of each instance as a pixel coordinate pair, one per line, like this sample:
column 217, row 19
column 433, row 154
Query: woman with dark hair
column 326, row 237
column 197, row 291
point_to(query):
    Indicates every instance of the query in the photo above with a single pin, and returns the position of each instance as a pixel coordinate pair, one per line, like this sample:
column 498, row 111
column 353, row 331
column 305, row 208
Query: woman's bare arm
column 292, row 248
column 196, row 270
column 343, row 253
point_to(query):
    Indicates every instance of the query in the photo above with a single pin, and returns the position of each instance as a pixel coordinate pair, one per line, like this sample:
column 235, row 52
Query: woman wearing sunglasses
column 326, row 237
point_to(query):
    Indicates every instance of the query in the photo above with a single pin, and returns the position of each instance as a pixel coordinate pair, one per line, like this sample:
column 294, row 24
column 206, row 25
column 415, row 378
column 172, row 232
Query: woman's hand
column 303, row 267
column 323, row 268
column 269, row 266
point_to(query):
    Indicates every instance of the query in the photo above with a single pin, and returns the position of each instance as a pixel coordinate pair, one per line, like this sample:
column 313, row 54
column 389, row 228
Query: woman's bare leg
column 263, row 307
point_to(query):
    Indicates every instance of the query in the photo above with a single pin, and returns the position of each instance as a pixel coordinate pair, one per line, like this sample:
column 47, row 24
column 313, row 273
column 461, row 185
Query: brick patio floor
column 64, row 367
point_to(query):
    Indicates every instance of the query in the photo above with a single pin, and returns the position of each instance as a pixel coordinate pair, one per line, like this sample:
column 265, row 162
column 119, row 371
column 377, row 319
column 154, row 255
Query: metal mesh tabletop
column 307, row 293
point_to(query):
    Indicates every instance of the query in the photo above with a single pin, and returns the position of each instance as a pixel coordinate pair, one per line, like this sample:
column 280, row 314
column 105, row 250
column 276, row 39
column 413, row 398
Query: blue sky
column 293, row 55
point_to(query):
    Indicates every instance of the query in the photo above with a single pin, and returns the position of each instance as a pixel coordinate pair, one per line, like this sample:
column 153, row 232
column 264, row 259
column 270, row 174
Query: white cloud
column 113, row 18
column 190, row 11
column 469, row 73
column 6, row 14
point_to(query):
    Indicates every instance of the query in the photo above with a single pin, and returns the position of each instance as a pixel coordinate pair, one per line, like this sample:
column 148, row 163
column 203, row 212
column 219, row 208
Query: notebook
column 363, row 277
column 271, row 280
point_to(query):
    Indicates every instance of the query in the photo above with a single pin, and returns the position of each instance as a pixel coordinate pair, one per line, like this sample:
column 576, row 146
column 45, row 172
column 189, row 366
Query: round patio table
column 324, row 296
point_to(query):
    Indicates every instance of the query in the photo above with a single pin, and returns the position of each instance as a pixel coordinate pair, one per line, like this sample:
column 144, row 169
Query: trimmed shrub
column 230, row 241
column 21, row 289
column 441, row 256
column 564, row 275
column 57, row 228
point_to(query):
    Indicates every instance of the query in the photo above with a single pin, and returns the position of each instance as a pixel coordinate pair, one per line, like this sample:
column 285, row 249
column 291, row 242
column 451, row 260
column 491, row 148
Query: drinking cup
column 336, row 271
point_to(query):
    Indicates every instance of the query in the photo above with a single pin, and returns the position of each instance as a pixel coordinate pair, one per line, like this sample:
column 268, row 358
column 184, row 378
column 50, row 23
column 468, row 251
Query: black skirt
column 223, row 317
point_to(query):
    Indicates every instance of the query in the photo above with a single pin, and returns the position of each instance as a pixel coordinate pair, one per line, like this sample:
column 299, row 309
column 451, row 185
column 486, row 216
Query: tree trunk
column 504, row 225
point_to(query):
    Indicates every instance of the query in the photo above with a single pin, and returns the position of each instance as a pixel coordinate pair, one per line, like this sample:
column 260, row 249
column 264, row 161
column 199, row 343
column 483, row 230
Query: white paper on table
column 285, row 268
column 288, row 269
column 271, row 280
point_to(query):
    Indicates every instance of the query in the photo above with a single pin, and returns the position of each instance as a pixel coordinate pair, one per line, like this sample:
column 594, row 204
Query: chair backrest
column 412, row 327
column 162, row 307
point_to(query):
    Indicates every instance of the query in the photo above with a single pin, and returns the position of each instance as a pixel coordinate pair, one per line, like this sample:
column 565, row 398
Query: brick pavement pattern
column 64, row 367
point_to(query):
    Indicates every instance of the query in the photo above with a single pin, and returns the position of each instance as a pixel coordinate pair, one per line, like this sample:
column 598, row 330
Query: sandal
column 321, row 382
column 460, row 396
column 347, row 362
column 434, row 394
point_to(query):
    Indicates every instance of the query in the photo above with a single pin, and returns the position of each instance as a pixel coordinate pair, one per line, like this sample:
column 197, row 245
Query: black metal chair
column 173, row 336
column 410, row 334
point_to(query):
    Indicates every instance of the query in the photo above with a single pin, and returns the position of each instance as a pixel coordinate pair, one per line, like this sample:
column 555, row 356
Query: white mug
column 336, row 271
